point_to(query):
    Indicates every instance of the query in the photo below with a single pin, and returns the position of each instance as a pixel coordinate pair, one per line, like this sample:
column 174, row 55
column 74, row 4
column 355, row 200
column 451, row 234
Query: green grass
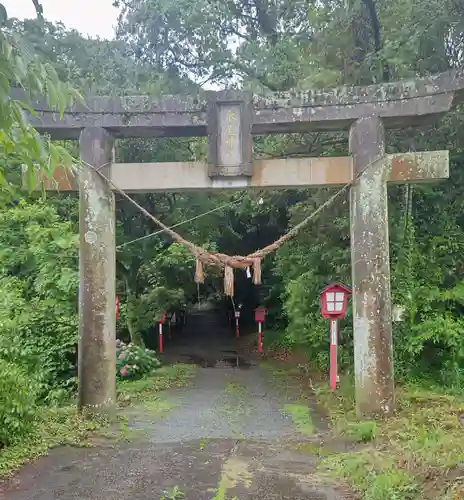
column 363, row 431
column 236, row 402
column 54, row 427
column 131, row 391
column 287, row 378
column 301, row 417
column 143, row 400
column 315, row 449
column 204, row 443
column 414, row 454
column 236, row 388
column 375, row 475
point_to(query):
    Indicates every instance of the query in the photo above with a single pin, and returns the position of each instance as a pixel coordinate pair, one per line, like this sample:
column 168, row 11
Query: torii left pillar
column 97, row 275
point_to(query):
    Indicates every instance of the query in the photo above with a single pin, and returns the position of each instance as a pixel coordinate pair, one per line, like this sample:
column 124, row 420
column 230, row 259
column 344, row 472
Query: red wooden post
column 333, row 352
column 260, row 315
column 334, row 300
column 161, row 322
column 117, row 308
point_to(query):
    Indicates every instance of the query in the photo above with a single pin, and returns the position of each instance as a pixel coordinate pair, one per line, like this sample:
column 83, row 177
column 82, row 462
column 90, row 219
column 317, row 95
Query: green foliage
column 428, row 281
column 38, row 303
column 18, row 399
column 22, row 149
column 306, row 265
column 134, row 362
column 170, row 277
column 285, row 44
column 270, row 39
column 94, row 66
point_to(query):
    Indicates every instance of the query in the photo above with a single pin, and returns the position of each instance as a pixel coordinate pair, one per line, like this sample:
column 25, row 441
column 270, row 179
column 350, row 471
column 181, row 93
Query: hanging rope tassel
column 228, row 281
column 257, row 272
column 199, row 274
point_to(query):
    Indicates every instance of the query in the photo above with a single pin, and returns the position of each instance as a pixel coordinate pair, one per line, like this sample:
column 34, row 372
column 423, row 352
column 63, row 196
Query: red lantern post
column 161, row 323
column 237, row 330
column 117, row 308
column 260, row 315
column 334, row 300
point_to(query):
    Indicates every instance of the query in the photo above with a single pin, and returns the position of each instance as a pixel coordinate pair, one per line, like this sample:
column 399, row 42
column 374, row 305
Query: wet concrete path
column 226, row 438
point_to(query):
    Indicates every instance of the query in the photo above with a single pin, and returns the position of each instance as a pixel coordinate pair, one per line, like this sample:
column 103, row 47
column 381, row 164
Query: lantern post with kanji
column 161, row 322
column 260, row 315
column 334, row 302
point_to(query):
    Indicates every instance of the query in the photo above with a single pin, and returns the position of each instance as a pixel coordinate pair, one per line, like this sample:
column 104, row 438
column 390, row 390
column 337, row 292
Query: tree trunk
column 135, row 336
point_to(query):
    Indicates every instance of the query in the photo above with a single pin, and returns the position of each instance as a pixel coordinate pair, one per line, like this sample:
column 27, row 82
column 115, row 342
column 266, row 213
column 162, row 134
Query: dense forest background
column 165, row 46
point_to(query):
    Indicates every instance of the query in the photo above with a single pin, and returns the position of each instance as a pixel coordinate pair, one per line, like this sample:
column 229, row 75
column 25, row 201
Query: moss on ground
column 301, row 417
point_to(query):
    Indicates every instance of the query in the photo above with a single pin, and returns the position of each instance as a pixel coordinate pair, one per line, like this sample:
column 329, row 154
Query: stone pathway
column 226, row 438
column 224, row 403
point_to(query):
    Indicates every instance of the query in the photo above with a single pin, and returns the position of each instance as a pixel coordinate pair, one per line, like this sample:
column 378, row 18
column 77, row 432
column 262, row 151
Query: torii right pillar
column 370, row 264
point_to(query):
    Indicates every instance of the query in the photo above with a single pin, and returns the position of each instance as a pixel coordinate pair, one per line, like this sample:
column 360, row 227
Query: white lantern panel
column 330, row 296
column 339, row 306
column 330, row 306
column 340, row 296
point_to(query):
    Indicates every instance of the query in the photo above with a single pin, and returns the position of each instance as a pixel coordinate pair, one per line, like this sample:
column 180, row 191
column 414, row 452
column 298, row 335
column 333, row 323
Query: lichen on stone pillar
column 370, row 262
column 97, row 264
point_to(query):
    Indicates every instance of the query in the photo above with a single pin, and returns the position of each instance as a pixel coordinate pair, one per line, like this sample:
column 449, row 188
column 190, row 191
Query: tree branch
column 266, row 22
column 38, row 9
column 375, row 24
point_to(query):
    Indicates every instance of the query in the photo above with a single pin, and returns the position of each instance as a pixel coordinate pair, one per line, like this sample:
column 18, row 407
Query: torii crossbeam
column 229, row 118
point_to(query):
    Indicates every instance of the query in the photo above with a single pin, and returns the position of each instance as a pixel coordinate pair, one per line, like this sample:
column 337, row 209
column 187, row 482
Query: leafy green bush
column 133, row 362
column 38, row 300
column 18, row 397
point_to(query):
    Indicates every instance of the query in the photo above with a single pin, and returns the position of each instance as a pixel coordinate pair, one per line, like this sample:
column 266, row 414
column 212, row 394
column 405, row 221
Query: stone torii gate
column 229, row 118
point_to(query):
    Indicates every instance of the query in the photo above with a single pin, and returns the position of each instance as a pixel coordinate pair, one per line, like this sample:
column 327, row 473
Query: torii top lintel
column 399, row 104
